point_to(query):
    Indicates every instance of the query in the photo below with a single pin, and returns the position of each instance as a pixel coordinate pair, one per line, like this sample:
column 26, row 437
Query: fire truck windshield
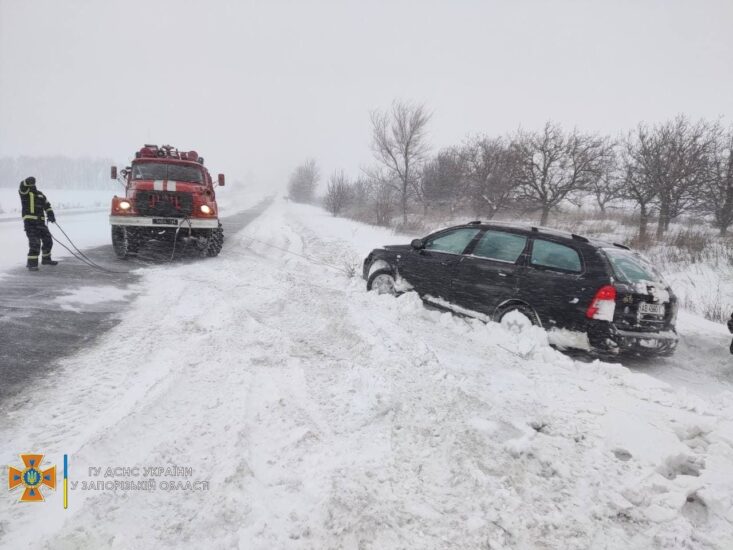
column 162, row 171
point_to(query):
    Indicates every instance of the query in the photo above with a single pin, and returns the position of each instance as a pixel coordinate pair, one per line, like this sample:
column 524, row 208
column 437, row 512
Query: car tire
column 382, row 281
column 516, row 324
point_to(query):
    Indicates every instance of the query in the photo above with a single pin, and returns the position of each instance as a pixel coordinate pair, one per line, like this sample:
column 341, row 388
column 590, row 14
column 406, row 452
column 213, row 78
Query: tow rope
column 83, row 258
column 307, row 258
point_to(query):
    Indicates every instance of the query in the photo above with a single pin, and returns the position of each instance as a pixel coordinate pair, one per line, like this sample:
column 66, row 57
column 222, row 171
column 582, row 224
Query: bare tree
column 381, row 200
column 338, row 193
column 637, row 188
column 443, row 180
column 491, row 173
column 399, row 145
column 611, row 183
column 673, row 159
column 303, row 182
column 717, row 196
column 639, row 175
column 553, row 166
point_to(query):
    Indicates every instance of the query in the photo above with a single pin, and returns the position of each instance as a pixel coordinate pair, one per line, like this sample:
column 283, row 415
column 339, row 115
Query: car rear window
column 555, row 256
column 498, row 245
column 630, row 267
column 454, row 241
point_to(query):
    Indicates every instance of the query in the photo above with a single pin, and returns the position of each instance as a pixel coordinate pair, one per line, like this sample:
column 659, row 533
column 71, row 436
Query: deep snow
column 323, row 416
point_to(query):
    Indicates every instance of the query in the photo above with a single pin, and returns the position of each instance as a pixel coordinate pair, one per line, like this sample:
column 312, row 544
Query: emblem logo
column 32, row 477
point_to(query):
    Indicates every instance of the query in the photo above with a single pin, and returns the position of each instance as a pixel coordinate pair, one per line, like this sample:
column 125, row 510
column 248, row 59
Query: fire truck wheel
column 124, row 242
column 216, row 241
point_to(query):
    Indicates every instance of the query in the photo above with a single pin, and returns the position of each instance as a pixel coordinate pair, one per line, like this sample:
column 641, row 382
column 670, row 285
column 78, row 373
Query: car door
column 430, row 269
column 487, row 275
column 553, row 284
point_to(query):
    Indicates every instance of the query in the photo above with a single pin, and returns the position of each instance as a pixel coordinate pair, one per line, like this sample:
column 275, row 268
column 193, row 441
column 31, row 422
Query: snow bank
column 323, row 416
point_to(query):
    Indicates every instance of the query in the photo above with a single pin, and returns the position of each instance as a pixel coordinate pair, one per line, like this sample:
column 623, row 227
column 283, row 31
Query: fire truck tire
column 124, row 241
column 216, row 241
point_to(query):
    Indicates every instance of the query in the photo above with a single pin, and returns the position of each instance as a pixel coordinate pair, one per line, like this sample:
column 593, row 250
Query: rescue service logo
column 31, row 477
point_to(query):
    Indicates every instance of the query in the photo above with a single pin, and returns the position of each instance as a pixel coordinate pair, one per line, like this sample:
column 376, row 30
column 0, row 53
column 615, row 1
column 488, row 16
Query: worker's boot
column 32, row 264
column 46, row 260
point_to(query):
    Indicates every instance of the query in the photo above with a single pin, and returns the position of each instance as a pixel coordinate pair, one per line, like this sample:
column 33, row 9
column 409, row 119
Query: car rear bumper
column 155, row 222
column 612, row 339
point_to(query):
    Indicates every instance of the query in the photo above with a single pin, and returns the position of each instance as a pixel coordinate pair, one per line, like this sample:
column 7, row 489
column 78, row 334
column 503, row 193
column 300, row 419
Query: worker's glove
column 51, row 217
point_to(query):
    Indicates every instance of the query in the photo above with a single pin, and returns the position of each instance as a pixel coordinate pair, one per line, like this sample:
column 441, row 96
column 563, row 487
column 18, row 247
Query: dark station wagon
column 603, row 292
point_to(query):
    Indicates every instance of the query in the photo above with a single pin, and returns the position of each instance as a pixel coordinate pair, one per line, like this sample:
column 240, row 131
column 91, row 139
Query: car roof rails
column 475, row 222
column 579, row 238
column 622, row 246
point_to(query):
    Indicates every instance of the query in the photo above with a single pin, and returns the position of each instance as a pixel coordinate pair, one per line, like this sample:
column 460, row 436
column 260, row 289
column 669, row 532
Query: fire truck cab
column 169, row 195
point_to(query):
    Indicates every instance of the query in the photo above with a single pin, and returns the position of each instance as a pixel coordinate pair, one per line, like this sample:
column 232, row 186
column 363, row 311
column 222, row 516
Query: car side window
column 555, row 256
column 454, row 241
column 498, row 245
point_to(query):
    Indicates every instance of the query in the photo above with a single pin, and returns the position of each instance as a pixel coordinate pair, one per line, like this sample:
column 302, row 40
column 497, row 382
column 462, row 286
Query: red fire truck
column 169, row 196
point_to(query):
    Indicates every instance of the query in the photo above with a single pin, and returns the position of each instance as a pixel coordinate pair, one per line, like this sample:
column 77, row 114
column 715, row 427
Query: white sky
column 258, row 86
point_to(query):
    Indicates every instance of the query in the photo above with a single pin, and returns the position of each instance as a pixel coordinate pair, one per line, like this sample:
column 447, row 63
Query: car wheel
column 383, row 282
column 517, row 318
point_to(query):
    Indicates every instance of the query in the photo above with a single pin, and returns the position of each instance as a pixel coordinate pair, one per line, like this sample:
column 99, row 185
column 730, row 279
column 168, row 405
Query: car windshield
column 164, row 171
column 630, row 267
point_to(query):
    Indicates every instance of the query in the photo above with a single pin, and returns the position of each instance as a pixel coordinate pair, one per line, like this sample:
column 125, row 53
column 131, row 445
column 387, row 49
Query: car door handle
column 501, row 274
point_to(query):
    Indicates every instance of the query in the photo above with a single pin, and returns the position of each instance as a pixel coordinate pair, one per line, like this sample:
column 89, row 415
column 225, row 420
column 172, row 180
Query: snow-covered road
column 323, row 416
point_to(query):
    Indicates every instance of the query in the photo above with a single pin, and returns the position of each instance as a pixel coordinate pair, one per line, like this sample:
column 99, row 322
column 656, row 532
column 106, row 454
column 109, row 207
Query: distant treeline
column 667, row 170
column 57, row 172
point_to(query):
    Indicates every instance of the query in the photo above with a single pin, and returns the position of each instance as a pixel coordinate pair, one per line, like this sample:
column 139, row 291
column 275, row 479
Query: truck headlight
column 206, row 209
column 124, row 205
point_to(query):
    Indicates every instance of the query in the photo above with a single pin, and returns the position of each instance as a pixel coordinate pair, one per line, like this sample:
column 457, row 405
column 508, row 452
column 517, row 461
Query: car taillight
column 603, row 305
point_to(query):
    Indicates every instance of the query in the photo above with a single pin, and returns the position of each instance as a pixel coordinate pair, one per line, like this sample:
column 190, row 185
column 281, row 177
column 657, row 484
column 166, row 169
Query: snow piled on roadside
column 327, row 417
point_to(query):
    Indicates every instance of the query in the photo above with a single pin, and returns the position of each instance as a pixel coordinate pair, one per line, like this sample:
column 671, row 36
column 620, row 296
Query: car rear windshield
column 162, row 171
column 630, row 267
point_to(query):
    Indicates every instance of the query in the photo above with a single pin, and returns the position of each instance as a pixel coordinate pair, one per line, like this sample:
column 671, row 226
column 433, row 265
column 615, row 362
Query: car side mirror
column 113, row 173
column 221, row 180
column 417, row 244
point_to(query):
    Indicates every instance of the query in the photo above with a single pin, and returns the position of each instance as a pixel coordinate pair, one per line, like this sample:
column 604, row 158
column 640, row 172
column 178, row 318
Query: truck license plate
column 165, row 221
column 651, row 309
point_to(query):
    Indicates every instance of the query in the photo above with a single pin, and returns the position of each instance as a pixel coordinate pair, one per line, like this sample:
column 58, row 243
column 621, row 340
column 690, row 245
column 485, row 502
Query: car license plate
column 165, row 221
column 651, row 309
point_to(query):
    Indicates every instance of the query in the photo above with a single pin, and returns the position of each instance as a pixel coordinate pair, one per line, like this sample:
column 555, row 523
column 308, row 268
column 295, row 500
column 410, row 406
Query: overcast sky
column 258, row 86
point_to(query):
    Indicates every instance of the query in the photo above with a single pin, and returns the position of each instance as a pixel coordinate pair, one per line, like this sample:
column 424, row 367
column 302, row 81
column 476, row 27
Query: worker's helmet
column 30, row 181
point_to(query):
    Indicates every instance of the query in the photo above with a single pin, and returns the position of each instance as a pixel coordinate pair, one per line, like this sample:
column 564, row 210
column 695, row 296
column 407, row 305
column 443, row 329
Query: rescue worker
column 35, row 210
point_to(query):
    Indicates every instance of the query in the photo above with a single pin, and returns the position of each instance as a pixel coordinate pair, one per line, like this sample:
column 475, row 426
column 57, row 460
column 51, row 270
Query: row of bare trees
column 56, row 172
column 663, row 171
column 679, row 167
